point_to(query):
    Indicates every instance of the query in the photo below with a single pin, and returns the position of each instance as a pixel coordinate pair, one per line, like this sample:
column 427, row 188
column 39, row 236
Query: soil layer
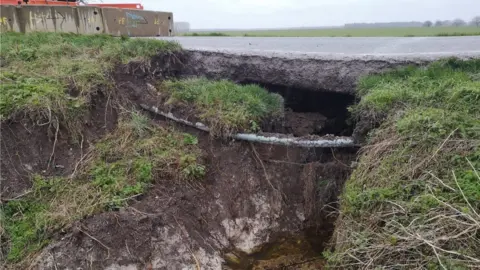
column 30, row 147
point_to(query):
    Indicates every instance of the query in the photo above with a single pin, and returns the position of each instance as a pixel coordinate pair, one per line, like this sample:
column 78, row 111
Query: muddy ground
column 253, row 200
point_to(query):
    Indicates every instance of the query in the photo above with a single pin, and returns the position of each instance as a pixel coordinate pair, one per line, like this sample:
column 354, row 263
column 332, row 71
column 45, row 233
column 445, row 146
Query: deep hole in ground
column 323, row 172
column 317, row 112
column 297, row 225
column 315, row 178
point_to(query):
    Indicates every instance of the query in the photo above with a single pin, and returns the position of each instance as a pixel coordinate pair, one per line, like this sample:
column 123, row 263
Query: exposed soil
column 317, row 72
column 302, row 124
column 28, row 146
column 244, row 202
column 253, row 198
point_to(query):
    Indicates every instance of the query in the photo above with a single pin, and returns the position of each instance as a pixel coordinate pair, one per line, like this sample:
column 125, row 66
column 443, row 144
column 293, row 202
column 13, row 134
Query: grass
column 120, row 167
column 226, row 107
column 414, row 200
column 40, row 70
column 52, row 77
column 351, row 32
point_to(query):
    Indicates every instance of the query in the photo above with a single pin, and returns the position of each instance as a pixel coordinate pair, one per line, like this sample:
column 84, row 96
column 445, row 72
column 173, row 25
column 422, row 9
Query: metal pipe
column 295, row 141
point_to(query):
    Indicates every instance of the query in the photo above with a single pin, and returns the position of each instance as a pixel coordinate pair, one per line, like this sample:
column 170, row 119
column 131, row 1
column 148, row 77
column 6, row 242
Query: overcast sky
column 298, row 13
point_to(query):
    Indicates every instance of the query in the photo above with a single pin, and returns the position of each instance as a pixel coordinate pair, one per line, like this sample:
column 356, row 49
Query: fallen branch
column 323, row 142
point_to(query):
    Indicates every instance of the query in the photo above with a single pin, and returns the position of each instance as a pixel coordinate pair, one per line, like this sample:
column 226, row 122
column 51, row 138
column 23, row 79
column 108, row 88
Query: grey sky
column 296, row 13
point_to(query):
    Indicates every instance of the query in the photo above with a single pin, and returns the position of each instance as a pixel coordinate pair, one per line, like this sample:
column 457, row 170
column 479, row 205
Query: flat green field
column 350, row 32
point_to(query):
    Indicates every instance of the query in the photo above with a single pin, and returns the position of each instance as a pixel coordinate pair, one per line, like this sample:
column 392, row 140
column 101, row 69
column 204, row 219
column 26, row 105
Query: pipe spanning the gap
column 336, row 142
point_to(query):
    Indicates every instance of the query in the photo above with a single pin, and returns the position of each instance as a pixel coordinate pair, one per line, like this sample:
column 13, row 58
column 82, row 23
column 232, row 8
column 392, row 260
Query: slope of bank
column 413, row 202
column 61, row 117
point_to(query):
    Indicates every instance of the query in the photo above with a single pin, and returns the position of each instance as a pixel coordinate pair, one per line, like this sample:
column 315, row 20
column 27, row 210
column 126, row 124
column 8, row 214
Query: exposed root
column 95, row 239
column 257, row 157
column 82, row 159
column 49, row 119
column 54, row 142
column 106, row 109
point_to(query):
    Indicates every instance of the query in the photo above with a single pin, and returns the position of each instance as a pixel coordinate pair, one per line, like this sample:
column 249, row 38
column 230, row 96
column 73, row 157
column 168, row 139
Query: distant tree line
column 383, row 25
column 457, row 23
column 439, row 23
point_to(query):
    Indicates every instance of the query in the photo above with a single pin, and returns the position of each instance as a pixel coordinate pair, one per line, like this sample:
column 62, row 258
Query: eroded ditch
column 322, row 171
column 312, row 177
column 295, row 190
column 260, row 206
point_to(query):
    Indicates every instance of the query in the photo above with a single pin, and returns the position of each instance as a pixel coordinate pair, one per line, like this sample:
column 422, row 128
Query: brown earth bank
column 33, row 147
column 40, row 146
column 251, row 195
column 258, row 207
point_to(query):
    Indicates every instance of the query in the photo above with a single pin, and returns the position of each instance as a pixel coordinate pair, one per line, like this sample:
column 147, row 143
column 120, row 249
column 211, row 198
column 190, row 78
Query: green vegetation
column 39, row 69
column 352, row 32
column 414, row 199
column 120, row 167
column 53, row 77
column 226, row 107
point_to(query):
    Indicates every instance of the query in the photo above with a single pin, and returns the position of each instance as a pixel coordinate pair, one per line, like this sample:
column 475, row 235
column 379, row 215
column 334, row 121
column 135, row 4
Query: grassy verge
column 414, row 200
column 40, row 71
column 352, row 32
column 226, row 107
column 120, row 167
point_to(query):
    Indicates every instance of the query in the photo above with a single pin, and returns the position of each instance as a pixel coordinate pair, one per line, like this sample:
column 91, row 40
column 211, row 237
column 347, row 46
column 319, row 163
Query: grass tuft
column 120, row 167
column 226, row 107
column 40, row 71
column 414, row 200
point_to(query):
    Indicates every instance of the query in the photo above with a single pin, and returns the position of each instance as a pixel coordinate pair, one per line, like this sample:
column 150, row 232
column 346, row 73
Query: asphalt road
column 339, row 45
